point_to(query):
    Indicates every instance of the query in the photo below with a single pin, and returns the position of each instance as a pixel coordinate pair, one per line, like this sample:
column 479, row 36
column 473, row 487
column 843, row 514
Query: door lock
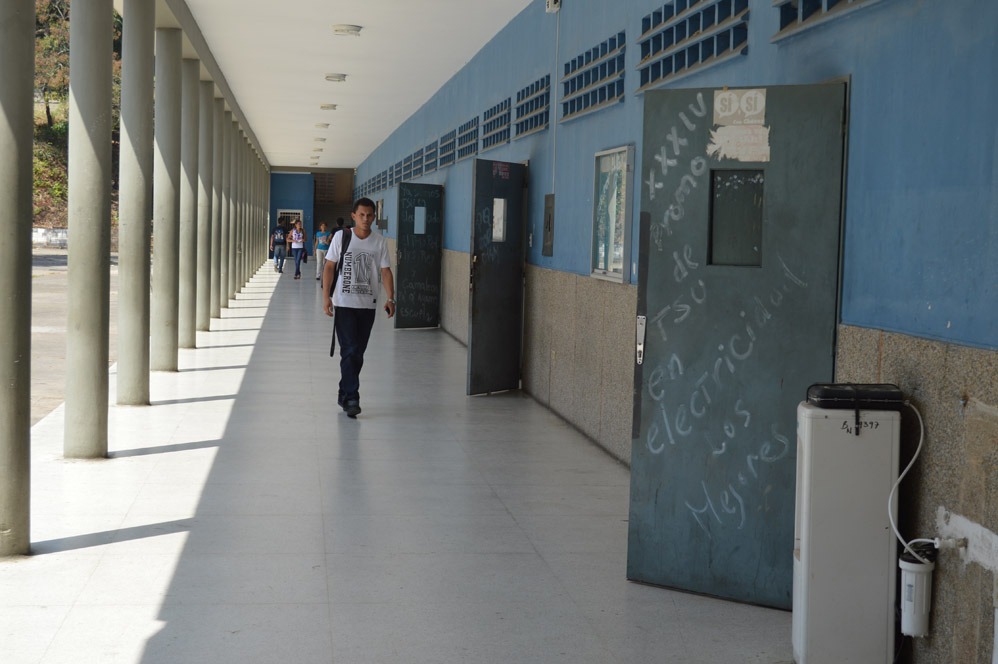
column 642, row 322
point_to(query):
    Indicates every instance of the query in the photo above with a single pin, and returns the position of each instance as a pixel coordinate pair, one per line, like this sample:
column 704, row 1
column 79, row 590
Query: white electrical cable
column 890, row 496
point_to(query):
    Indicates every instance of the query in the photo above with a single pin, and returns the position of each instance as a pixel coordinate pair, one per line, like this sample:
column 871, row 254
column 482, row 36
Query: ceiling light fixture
column 336, row 78
column 322, row 125
column 327, row 107
column 346, row 30
column 319, row 140
column 317, row 149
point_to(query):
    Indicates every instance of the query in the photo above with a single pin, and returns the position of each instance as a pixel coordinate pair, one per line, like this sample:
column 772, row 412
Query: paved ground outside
column 49, row 290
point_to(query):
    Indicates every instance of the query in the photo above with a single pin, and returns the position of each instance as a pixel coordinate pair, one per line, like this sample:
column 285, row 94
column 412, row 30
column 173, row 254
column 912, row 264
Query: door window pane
column 499, row 220
column 736, row 199
column 419, row 221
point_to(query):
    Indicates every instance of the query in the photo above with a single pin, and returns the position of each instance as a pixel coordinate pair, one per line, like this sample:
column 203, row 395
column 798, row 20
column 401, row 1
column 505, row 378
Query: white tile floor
column 243, row 518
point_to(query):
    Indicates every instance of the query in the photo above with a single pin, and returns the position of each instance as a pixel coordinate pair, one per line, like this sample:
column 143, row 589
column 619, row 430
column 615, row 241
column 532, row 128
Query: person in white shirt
column 298, row 240
column 353, row 299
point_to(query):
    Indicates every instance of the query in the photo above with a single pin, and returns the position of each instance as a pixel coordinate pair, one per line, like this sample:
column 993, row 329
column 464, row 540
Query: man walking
column 354, row 297
column 278, row 245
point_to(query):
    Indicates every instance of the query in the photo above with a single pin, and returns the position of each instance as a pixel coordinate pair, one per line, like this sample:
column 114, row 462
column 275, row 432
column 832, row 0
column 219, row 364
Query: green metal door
column 737, row 297
column 420, row 236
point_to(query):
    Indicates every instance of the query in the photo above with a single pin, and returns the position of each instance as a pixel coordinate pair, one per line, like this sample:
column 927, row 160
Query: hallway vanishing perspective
column 243, row 518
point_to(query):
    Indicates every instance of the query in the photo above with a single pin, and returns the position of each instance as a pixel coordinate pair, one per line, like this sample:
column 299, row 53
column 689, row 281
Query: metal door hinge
column 642, row 322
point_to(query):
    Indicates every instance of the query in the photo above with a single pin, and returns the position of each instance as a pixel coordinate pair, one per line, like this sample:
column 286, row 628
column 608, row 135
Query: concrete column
column 247, row 215
column 240, row 217
column 229, row 282
column 243, row 216
column 190, row 94
column 205, row 158
column 135, row 202
column 255, row 262
column 17, row 67
column 223, row 257
column 88, row 296
column 218, row 136
column 166, row 202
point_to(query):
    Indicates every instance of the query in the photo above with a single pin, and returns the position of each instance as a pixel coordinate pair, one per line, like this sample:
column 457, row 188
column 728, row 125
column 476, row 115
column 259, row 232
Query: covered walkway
column 242, row 518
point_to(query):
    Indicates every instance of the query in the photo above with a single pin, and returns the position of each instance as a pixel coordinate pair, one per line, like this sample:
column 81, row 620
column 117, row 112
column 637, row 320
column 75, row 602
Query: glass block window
column 495, row 130
column 430, row 158
column 382, row 180
column 594, row 79
column 533, row 104
column 467, row 139
column 799, row 15
column 407, row 168
column 686, row 36
column 447, row 149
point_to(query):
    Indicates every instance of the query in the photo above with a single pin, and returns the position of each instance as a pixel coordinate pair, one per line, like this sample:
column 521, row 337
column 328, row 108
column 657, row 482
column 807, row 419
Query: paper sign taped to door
column 740, row 107
column 742, row 143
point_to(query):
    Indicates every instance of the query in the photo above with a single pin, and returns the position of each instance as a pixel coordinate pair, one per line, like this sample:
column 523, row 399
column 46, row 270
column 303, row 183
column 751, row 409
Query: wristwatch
column 390, row 301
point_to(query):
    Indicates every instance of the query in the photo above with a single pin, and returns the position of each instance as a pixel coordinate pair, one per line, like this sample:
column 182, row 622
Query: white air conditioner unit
column 552, row 6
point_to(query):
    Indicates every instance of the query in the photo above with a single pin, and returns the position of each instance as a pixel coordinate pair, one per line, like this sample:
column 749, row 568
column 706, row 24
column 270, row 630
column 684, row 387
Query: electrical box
column 552, row 6
column 845, row 552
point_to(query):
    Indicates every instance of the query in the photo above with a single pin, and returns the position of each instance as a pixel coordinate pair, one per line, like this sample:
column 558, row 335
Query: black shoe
column 352, row 408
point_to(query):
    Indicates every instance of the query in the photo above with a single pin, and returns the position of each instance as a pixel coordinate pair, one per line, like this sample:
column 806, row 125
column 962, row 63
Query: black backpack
column 336, row 274
column 278, row 234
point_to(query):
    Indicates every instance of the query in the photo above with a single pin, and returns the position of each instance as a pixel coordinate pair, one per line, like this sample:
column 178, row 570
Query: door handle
column 642, row 323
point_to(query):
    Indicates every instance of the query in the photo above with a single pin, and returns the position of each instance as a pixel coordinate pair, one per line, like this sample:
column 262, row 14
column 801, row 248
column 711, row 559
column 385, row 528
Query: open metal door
column 420, row 231
column 737, row 308
column 495, row 314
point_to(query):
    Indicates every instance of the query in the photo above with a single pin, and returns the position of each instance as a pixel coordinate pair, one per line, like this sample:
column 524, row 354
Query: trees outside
column 51, row 190
column 51, row 53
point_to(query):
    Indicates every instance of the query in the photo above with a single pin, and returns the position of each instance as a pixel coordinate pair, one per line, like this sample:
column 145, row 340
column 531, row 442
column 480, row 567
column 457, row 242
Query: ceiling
column 275, row 55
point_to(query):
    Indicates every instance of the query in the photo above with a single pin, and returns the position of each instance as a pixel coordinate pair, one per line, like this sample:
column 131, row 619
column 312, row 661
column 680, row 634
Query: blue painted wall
column 921, row 235
column 293, row 191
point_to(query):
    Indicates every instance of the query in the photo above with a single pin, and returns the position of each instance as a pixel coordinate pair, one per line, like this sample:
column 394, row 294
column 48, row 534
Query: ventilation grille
column 448, row 149
column 686, row 36
column 594, row 79
column 799, row 15
column 495, row 130
column 430, row 158
column 467, row 139
column 533, row 107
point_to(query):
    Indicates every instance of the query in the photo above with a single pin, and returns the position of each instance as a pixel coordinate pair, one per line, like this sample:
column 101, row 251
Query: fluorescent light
column 346, row 30
column 336, row 78
column 322, row 125
column 319, row 140
column 327, row 107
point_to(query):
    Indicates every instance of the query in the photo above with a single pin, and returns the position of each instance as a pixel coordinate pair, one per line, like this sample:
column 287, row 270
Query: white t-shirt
column 297, row 239
column 359, row 280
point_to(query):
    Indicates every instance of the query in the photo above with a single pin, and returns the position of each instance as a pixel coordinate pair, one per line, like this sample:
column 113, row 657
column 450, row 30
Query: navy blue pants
column 298, row 252
column 353, row 331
